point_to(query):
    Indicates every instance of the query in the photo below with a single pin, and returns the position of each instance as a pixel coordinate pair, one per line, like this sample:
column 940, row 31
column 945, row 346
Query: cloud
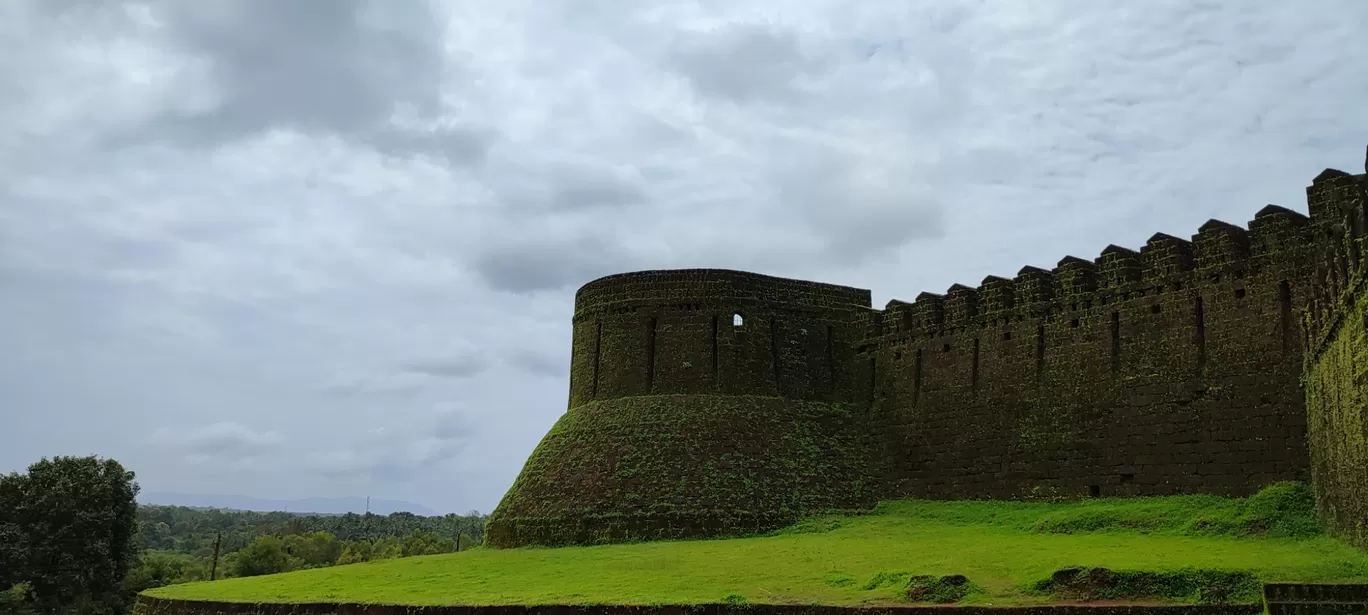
column 366, row 70
column 322, row 218
column 376, row 385
column 749, row 62
column 542, row 363
column 451, row 367
column 540, row 262
column 225, row 442
column 397, row 453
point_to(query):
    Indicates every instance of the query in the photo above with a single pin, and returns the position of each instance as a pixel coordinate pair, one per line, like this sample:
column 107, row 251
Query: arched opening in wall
column 738, row 320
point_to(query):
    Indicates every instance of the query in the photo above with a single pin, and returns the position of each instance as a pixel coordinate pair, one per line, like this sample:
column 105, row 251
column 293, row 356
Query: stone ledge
column 1316, row 598
column 147, row 605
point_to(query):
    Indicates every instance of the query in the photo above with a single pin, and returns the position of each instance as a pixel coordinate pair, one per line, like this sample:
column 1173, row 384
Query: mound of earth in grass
column 685, row 466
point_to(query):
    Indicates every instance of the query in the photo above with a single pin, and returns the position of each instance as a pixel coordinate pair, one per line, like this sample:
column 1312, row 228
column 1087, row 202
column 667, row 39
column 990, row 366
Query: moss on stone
column 682, row 466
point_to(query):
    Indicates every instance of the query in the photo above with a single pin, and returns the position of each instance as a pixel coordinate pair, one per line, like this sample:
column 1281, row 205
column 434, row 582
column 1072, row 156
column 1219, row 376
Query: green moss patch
column 940, row 590
column 684, row 466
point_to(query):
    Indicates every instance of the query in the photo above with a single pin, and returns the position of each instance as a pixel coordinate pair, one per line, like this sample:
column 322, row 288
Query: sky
column 326, row 248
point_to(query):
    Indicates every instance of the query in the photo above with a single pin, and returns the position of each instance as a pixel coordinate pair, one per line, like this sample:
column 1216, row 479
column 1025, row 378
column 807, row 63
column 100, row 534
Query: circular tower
column 703, row 402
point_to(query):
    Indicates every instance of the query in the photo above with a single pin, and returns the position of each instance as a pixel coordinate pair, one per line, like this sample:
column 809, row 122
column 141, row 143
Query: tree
column 426, row 543
column 70, row 523
column 265, row 555
column 154, row 570
column 314, row 549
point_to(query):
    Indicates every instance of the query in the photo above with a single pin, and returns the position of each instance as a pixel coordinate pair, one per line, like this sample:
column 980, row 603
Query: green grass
column 1007, row 550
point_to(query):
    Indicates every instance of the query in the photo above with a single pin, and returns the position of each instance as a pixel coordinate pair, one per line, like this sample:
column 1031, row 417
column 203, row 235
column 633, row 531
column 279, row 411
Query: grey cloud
column 532, row 181
column 746, row 62
column 375, row 386
column 860, row 206
column 531, row 262
column 343, row 67
column 451, row 367
column 543, row 364
column 225, row 441
column 398, row 453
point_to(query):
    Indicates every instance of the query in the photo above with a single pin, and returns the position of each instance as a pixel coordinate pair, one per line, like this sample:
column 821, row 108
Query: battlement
column 1339, row 206
column 1165, row 264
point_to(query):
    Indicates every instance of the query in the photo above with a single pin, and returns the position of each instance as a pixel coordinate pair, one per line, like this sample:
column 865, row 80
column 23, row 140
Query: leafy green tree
column 314, row 549
column 70, row 524
column 354, row 552
column 265, row 555
column 421, row 542
column 155, row 569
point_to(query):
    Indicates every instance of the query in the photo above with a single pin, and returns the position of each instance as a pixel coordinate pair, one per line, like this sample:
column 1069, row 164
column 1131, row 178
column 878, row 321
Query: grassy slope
column 1001, row 546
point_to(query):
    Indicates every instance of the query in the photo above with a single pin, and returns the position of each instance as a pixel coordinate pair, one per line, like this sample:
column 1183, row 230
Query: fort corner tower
column 702, row 402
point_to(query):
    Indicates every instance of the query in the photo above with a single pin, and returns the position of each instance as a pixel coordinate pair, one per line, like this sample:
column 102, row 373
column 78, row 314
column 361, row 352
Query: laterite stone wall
column 715, row 402
column 1337, row 365
column 1172, row 369
column 702, row 403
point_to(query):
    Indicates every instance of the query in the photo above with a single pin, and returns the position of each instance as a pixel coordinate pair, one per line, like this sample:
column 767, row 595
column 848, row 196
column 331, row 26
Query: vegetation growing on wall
column 674, row 466
column 1336, row 377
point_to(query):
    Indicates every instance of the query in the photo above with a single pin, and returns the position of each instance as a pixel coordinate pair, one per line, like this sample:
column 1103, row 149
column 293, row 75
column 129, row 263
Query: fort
column 708, row 402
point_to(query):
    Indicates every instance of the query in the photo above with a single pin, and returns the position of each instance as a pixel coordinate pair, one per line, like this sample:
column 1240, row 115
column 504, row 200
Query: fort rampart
column 1174, row 368
column 1336, row 364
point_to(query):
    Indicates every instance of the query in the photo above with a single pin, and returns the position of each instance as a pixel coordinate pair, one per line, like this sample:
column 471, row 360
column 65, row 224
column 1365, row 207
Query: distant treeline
column 177, row 543
column 74, row 540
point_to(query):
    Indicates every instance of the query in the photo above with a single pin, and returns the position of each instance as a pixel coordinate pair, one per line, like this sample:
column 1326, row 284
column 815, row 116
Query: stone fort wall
column 1336, row 362
column 714, row 332
column 1174, row 368
column 1171, row 369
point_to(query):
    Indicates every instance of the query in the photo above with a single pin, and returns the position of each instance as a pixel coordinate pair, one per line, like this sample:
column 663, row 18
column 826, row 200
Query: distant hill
column 326, row 506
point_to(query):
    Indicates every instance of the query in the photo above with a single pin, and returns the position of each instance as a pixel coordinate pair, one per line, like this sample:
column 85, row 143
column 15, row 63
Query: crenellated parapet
column 1275, row 243
column 1165, row 257
column 1119, row 268
column 997, row 296
column 1338, row 203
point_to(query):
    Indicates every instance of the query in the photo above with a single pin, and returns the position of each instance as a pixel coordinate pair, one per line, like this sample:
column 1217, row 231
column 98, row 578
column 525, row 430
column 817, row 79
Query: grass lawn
column 1002, row 547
